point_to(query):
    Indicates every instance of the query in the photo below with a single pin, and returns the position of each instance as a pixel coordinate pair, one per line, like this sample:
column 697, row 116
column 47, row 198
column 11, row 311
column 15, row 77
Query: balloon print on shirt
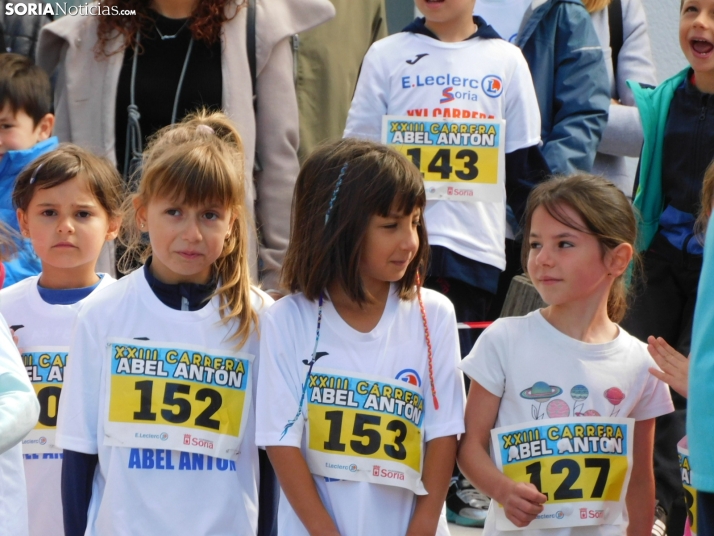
column 540, row 392
column 579, row 394
column 615, row 396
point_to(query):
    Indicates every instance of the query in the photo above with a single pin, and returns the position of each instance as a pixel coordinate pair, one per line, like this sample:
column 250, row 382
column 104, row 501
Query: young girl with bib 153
column 68, row 204
column 563, row 396
column 160, row 387
column 359, row 398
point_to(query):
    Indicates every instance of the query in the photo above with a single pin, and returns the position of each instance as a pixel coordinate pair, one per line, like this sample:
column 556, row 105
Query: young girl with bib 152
column 563, row 396
column 160, row 388
column 359, row 398
column 68, row 204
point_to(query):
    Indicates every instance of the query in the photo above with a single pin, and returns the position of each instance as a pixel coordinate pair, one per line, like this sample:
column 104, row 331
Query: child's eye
column 211, row 216
column 535, row 245
column 565, row 244
column 5, row 126
column 173, row 212
column 49, row 212
column 83, row 214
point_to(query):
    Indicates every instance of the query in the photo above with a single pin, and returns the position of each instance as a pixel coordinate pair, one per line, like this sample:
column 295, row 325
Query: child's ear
column 22, row 220
column 618, row 259
column 45, row 126
column 140, row 214
column 113, row 230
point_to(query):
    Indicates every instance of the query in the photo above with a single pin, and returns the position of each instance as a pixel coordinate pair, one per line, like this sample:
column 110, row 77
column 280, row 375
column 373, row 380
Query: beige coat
column 86, row 89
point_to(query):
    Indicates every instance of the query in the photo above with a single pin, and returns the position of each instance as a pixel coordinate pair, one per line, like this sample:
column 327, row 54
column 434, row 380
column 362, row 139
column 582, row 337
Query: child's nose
column 64, row 225
column 191, row 231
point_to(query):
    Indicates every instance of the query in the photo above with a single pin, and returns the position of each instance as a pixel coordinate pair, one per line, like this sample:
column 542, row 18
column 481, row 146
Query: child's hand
column 523, row 502
column 675, row 367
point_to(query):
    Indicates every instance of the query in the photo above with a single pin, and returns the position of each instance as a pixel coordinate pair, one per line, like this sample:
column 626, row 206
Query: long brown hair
column 606, row 214
column 375, row 180
column 206, row 21
column 199, row 161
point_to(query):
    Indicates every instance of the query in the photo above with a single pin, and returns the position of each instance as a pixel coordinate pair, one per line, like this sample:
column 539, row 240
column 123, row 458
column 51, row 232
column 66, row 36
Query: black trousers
column 663, row 306
column 705, row 514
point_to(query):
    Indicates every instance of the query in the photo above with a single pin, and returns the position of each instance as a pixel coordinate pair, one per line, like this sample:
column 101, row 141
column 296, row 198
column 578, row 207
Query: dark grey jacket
column 21, row 31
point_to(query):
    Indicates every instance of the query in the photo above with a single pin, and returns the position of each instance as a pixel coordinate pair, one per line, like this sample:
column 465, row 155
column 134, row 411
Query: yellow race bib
column 690, row 494
column 582, row 464
column 460, row 159
column 179, row 397
column 365, row 428
column 45, row 368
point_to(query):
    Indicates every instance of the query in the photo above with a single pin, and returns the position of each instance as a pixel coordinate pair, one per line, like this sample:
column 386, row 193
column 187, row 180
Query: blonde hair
column 593, row 6
column 197, row 161
column 705, row 211
column 605, row 212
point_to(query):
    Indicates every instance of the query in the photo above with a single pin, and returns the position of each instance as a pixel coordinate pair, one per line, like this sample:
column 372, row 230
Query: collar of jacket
column 653, row 105
column 196, row 295
column 13, row 162
column 535, row 14
column 485, row 31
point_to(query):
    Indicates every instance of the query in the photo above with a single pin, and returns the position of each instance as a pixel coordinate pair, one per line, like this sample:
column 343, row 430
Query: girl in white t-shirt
column 68, row 205
column 569, row 361
column 159, row 390
column 359, row 398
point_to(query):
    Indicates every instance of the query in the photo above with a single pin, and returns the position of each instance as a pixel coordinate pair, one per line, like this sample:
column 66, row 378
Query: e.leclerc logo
column 410, row 376
column 492, row 86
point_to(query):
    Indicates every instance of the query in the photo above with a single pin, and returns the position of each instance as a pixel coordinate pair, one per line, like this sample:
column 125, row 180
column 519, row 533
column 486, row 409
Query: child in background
column 358, row 376
column 158, row 399
column 678, row 125
column 19, row 409
column 68, row 205
column 580, row 233
column 26, row 124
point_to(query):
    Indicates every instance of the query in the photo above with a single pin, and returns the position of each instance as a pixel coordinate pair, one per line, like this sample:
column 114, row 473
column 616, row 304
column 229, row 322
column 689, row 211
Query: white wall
column 663, row 20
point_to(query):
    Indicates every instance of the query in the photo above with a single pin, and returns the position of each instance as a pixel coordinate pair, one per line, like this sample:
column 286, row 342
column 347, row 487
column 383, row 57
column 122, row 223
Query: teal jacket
column 700, row 414
column 653, row 105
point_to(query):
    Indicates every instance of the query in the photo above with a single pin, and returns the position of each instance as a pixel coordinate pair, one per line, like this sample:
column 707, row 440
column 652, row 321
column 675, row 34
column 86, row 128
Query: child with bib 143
column 563, row 396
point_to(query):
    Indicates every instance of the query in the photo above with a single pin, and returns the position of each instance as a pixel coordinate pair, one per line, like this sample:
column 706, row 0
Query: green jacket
column 653, row 105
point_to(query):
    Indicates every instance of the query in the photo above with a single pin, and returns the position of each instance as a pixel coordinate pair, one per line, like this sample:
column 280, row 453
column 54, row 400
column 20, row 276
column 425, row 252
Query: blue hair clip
column 336, row 191
column 34, row 174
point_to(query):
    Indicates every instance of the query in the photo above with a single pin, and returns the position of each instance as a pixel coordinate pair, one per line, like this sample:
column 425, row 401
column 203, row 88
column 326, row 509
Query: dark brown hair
column 377, row 180
column 705, row 211
column 197, row 161
column 24, row 86
column 206, row 21
column 605, row 212
column 64, row 164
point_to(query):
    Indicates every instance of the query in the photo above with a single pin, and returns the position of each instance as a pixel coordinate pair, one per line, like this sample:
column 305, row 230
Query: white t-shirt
column 516, row 353
column 43, row 325
column 505, row 16
column 144, row 491
column 395, row 348
column 450, row 78
column 18, row 414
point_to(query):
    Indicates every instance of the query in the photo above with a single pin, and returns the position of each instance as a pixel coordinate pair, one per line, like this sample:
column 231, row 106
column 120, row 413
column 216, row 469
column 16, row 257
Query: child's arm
column 299, row 487
column 641, row 491
column 438, row 466
column 522, row 502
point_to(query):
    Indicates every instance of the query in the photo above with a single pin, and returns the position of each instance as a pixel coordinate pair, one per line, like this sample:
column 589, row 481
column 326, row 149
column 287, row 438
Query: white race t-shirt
column 44, row 326
column 413, row 74
column 514, row 354
column 148, row 491
column 395, row 348
column 505, row 16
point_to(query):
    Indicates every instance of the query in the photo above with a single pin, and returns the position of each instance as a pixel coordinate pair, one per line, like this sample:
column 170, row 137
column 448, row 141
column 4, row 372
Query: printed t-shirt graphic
column 690, row 493
column 43, row 341
column 392, row 355
column 446, row 83
column 165, row 489
column 543, row 376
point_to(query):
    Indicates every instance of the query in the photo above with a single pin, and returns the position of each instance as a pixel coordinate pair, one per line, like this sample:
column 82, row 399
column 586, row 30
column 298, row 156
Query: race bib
column 45, row 368
column 460, row 160
column 582, row 464
column 178, row 397
column 690, row 494
column 365, row 428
